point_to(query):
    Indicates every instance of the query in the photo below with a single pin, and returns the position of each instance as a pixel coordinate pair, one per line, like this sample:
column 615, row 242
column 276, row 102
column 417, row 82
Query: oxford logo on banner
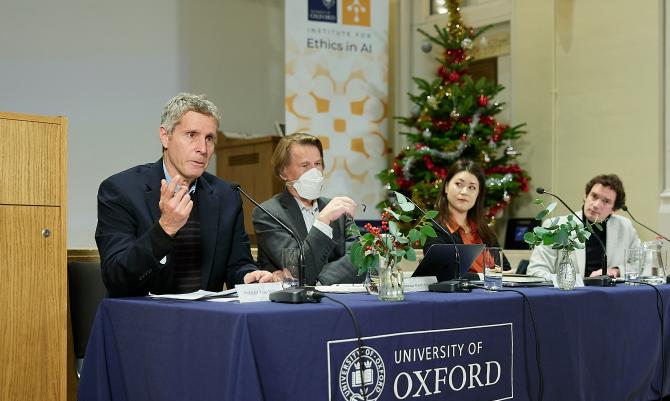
column 337, row 89
column 463, row 363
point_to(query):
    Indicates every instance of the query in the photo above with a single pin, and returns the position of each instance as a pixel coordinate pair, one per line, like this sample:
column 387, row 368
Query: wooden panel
column 33, row 291
column 32, row 170
column 247, row 161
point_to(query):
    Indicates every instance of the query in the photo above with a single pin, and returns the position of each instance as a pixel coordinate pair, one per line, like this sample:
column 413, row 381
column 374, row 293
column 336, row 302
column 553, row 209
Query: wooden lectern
column 247, row 162
column 34, row 361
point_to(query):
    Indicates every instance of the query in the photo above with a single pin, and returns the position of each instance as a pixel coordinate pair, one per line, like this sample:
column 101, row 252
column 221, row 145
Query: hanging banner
column 337, row 89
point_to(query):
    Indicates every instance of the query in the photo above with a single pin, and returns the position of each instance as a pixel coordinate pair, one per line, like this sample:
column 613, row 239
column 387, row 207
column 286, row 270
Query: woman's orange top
column 472, row 238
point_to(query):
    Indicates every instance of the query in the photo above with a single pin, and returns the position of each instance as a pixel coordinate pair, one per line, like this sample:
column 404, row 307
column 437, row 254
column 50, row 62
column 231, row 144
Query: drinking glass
column 493, row 264
column 290, row 262
column 632, row 264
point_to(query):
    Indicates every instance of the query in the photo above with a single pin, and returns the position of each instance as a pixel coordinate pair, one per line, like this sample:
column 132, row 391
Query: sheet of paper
column 226, row 299
column 341, row 288
column 192, row 296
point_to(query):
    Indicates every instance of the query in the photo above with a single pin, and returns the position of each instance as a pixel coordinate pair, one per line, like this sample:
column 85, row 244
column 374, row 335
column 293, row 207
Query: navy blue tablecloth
column 596, row 344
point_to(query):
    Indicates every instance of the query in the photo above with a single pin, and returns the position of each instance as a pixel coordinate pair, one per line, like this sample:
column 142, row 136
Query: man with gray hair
column 169, row 226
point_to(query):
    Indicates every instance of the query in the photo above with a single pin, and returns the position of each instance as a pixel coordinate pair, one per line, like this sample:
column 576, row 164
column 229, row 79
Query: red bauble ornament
column 483, row 100
column 442, row 72
column 454, row 77
column 442, row 125
column 428, row 162
column 464, row 138
column 495, row 137
column 487, row 120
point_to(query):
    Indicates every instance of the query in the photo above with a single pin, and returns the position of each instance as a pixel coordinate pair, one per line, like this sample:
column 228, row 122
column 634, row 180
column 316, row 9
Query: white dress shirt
column 309, row 216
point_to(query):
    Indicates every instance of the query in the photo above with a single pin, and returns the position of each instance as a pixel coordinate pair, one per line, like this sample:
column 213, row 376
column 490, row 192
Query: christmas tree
column 454, row 117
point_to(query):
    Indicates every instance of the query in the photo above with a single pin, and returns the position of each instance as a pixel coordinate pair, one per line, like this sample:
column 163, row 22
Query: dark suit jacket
column 326, row 260
column 132, row 244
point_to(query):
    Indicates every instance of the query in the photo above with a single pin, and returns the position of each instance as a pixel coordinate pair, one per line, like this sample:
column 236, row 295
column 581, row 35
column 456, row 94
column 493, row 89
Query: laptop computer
column 440, row 261
column 516, row 228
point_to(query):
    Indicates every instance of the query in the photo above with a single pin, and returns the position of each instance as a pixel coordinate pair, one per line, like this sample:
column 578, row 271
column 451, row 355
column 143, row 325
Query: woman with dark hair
column 461, row 211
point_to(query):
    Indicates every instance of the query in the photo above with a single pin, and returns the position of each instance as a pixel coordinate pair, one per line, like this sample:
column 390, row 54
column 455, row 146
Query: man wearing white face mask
column 319, row 222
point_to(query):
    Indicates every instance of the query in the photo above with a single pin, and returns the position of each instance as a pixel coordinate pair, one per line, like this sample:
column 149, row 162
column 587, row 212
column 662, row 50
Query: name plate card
column 416, row 284
column 257, row 292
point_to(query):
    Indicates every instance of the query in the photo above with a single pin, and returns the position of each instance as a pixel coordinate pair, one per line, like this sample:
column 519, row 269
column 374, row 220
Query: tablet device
column 440, row 260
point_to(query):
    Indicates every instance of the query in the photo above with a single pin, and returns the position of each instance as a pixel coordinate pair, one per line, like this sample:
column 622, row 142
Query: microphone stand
column 290, row 295
column 599, row 281
column 625, row 209
column 458, row 284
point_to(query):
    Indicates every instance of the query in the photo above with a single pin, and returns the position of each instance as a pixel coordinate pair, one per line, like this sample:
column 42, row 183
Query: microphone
column 301, row 267
column 599, row 281
column 625, row 209
column 459, row 284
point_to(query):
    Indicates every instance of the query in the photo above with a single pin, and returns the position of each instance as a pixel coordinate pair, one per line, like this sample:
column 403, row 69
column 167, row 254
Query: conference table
column 594, row 344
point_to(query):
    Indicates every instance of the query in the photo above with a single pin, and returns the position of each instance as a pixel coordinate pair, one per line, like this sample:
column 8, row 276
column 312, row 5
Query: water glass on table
column 632, row 264
column 493, row 264
column 290, row 262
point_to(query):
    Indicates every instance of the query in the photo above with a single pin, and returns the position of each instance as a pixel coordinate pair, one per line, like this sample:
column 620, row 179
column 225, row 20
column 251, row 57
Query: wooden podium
column 33, row 267
column 247, row 162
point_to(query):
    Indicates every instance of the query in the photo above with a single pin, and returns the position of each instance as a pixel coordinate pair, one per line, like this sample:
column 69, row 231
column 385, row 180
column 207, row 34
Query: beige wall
column 587, row 80
column 111, row 66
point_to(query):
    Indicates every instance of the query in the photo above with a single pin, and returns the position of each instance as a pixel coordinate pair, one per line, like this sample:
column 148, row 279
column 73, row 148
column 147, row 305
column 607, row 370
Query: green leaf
column 356, row 254
column 543, row 213
column 392, row 213
column 530, row 238
column 540, row 231
column 431, row 214
column 400, row 197
column 368, row 237
column 562, row 237
column 393, row 227
column 410, row 254
column 406, row 207
column 387, row 240
column 428, row 231
column 551, row 207
column 414, row 235
column 538, row 201
column 580, row 236
column 406, row 218
column 353, row 231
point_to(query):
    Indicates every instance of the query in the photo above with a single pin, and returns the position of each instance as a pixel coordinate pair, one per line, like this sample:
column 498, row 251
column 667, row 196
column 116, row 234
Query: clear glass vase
column 372, row 280
column 566, row 272
column 390, row 281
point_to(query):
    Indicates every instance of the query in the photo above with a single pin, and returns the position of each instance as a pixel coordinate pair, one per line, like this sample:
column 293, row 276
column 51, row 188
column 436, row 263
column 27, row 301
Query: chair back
column 86, row 291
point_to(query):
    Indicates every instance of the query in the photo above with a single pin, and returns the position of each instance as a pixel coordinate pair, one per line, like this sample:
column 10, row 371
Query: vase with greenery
column 563, row 235
column 378, row 251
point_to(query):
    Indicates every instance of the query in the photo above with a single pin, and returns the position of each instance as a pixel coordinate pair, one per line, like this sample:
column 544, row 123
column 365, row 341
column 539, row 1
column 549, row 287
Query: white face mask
column 309, row 184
